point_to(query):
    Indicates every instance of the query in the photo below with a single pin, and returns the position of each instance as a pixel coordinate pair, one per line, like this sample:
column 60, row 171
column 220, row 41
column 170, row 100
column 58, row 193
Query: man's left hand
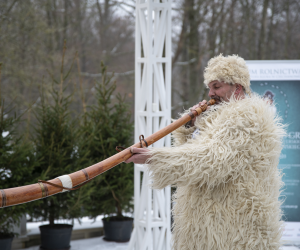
column 140, row 155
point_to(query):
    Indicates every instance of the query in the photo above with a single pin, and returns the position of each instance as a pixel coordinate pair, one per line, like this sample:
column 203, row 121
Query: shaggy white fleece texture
column 229, row 69
column 227, row 179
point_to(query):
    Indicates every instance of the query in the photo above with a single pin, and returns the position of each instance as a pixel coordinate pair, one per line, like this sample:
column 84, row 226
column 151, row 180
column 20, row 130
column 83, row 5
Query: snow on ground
column 33, row 227
column 96, row 243
column 93, row 244
column 99, row 244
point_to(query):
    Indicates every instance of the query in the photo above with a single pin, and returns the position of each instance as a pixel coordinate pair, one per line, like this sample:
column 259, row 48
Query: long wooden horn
column 42, row 189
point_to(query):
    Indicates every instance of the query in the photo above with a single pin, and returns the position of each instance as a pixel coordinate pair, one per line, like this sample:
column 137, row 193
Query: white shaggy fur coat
column 227, row 179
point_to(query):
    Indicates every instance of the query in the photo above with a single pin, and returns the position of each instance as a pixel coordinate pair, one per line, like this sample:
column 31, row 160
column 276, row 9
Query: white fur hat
column 229, row 69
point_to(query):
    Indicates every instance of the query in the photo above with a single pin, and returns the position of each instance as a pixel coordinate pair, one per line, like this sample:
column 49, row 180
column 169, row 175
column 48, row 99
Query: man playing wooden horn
column 224, row 165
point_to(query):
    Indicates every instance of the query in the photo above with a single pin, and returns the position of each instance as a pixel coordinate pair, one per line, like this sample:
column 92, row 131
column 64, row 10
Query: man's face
column 220, row 91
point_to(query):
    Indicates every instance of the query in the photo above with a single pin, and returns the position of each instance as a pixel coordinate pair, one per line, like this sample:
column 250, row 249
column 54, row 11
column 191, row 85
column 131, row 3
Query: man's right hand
column 197, row 106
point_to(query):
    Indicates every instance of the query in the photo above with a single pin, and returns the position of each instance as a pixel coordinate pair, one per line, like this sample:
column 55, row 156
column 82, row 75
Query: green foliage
column 106, row 126
column 57, row 152
column 16, row 164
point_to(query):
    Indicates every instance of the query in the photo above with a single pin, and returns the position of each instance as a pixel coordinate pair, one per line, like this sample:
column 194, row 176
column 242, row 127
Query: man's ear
column 238, row 89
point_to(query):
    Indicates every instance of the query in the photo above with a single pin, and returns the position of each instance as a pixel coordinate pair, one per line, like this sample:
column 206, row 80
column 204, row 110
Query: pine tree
column 16, row 164
column 57, row 151
column 107, row 125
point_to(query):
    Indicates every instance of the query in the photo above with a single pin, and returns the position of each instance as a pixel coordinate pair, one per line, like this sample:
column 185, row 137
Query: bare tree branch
column 9, row 8
column 130, row 72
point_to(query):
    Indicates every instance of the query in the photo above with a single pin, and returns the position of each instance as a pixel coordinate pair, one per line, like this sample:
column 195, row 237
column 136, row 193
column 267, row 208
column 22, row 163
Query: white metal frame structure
column 152, row 208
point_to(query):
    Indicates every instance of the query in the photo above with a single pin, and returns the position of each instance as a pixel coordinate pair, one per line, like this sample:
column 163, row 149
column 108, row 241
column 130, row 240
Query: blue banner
column 285, row 97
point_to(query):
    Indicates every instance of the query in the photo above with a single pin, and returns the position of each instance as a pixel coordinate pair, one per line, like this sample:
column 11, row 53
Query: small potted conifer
column 107, row 125
column 16, row 165
column 56, row 148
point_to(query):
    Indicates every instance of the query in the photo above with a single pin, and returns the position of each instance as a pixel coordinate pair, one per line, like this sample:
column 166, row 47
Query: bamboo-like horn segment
column 19, row 195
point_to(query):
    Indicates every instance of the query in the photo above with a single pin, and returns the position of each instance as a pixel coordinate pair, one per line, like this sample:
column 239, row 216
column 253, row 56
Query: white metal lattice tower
column 152, row 112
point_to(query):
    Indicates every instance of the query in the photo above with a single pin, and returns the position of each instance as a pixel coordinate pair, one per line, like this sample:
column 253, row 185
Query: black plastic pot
column 57, row 236
column 5, row 243
column 117, row 230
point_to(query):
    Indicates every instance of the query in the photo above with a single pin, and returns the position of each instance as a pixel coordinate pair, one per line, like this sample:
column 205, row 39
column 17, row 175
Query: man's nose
column 211, row 93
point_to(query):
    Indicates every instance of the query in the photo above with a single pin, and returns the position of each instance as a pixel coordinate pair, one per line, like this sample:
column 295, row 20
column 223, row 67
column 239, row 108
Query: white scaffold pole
column 153, row 59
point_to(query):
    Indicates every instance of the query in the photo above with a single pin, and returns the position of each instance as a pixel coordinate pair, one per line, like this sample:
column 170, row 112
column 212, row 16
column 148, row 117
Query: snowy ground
column 84, row 244
column 99, row 244
column 93, row 244
column 33, row 227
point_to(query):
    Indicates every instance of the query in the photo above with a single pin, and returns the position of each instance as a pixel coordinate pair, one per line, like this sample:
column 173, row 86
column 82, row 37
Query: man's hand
column 140, row 155
column 197, row 106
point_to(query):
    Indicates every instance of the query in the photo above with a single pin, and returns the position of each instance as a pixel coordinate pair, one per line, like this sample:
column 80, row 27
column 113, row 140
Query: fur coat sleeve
column 182, row 134
column 233, row 138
